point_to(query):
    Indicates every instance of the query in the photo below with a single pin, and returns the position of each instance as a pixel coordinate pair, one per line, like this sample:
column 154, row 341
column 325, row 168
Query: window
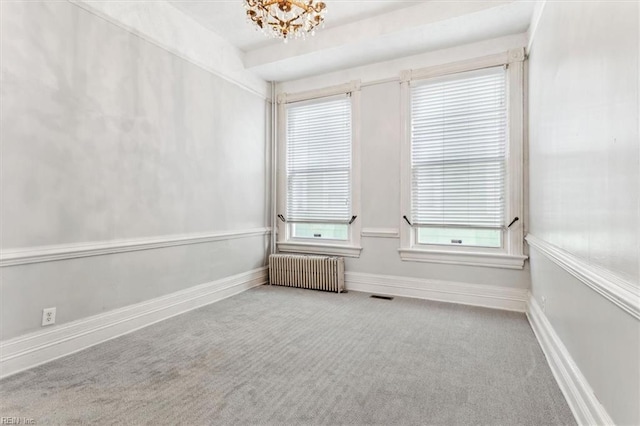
column 463, row 162
column 317, row 176
column 458, row 147
column 319, row 168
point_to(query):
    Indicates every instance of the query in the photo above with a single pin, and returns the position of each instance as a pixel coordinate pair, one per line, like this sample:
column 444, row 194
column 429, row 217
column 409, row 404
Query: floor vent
column 377, row 296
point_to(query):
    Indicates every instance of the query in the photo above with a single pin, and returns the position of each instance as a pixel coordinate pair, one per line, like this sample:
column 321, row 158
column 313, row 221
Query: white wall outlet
column 544, row 304
column 48, row 316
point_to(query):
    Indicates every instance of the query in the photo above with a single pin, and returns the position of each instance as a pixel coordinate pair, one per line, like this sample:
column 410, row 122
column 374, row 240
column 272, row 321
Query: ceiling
column 359, row 32
column 227, row 18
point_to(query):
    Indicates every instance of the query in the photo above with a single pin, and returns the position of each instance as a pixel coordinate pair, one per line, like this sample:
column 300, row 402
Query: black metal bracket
column 282, row 218
column 405, row 218
column 515, row 219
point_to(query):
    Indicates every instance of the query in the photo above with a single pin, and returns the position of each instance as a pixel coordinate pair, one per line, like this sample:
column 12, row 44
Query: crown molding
column 163, row 25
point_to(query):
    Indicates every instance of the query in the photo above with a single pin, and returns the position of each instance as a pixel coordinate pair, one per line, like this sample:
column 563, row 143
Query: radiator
column 313, row 272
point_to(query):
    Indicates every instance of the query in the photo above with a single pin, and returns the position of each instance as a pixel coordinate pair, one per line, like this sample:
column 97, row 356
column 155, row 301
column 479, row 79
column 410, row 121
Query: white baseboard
column 510, row 299
column 583, row 403
column 37, row 348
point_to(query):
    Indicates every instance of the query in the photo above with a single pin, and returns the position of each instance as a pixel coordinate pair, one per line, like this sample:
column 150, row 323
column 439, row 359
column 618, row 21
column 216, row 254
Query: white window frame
column 511, row 255
column 285, row 241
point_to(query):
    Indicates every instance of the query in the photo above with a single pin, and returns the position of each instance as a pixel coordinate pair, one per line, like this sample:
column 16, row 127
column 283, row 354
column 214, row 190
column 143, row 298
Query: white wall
column 380, row 128
column 584, row 132
column 584, row 185
column 106, row 137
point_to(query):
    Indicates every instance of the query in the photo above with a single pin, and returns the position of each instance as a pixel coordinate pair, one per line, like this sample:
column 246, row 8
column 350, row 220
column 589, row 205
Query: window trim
column 285, row 243
column 511, row 256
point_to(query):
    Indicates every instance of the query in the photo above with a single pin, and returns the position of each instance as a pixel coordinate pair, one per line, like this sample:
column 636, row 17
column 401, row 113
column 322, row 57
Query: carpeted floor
column 288, row 356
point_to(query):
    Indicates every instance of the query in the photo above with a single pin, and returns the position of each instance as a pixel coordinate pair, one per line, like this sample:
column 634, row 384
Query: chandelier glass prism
column 286, row 19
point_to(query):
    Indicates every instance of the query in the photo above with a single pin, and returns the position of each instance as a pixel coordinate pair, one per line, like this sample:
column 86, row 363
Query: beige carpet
column 288, row 356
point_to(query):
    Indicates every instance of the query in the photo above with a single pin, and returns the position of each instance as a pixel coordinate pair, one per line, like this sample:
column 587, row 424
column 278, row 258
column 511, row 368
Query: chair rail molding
column 40, row 347
column 488, row 296
column 618, row 290
column 13, row 257
column 581, row 399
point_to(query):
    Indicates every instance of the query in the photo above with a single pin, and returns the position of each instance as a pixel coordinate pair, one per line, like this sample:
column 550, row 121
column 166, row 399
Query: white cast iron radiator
column 314, row 272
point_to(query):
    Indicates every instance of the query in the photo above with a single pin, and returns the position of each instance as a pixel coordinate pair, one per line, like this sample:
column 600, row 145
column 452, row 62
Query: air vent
column 378, row 296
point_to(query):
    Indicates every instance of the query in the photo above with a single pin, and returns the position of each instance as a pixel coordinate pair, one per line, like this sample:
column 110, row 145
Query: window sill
column 491, row 260
column 326, row 249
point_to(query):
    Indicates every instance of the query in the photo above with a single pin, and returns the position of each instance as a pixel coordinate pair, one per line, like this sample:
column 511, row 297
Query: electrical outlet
column 544, row 304
column 48, row 316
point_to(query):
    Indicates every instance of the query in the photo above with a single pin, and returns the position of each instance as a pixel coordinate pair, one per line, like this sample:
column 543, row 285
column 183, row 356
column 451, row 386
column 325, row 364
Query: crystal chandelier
column 286, row 19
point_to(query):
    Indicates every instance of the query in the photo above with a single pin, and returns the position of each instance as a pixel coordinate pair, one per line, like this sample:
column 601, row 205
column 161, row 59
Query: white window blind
column 458, row 143
column 318, row 145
